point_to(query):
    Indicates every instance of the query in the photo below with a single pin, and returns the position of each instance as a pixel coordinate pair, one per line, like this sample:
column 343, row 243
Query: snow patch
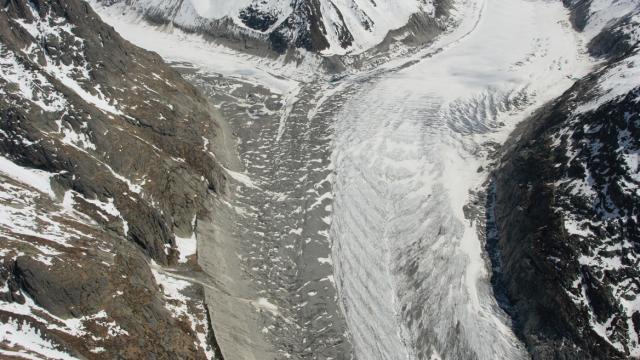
column 37, row 179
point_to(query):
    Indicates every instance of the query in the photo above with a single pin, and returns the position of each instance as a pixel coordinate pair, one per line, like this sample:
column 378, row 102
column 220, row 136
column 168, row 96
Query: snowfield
column 367, row 22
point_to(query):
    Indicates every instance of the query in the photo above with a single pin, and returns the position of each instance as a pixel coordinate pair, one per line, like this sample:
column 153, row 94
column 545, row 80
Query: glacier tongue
column 409, row 147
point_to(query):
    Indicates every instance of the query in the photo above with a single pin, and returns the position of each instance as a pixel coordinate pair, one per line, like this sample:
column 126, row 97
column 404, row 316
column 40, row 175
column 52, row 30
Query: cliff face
column 105, row 163
column 567, row 204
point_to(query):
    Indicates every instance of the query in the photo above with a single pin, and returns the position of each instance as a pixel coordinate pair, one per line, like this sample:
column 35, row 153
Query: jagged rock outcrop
column 106, row 157
column 567, row 204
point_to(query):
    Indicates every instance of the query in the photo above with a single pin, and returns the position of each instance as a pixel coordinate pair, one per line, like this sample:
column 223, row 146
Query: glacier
column 406, row 148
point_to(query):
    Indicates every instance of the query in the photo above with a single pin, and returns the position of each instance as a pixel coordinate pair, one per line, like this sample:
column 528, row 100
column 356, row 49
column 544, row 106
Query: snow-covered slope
column 326, row 26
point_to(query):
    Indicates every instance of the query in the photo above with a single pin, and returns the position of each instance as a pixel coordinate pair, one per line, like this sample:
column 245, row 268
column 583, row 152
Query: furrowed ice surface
column 409, row 149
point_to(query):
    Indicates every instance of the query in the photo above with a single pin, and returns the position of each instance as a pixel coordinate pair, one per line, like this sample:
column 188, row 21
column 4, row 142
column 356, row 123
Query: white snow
column 135, row 188
column 604, row 12
column 319, row 200
column 107, row 207
column 62, row 73
column 621, row 79
column 574, row 227
column 369, row 22
column 616, row 82
column 42, row 232
column 68, row 75
column 290, row 98
column 76, row 139
column 382, row 17
column 188, row 246
column 264, row 304
column 27, row 341
column 216, row 9
column 177, row 46
column 242, row 178
column 28, row 226
column 42, row 27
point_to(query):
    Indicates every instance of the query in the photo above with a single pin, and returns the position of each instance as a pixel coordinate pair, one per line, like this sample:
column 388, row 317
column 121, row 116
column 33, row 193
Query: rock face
column 330, row 27
column 106, row 160
column 567, row 204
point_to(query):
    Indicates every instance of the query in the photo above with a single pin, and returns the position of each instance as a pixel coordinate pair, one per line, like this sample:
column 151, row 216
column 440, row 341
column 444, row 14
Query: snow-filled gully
column 409, row 267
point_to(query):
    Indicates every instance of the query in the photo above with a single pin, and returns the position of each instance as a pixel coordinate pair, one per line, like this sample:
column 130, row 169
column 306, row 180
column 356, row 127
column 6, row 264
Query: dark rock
column 61, row 294
column 256, row 19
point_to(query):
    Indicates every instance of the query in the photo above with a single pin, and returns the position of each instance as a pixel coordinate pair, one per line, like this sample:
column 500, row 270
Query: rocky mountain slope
column 330, row 27
column 567, row 203
column 106, row 159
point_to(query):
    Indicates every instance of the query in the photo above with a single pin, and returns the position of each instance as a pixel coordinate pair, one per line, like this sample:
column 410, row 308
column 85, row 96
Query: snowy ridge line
column 330, row 27
column 179, row 47
column 453, row 35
